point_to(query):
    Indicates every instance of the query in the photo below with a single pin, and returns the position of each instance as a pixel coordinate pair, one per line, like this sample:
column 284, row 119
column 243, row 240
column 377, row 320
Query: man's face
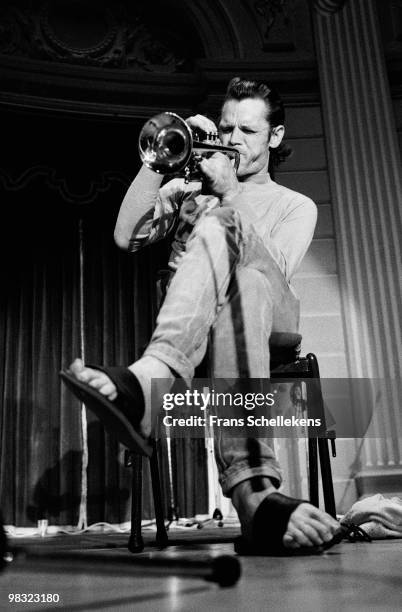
column 244, row 126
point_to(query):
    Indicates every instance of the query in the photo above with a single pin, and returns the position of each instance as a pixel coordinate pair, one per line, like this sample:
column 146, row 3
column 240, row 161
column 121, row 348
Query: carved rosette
column 84, row 33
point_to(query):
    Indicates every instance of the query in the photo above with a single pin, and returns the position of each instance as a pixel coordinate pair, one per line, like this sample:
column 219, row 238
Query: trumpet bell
column 166, row 146
column 165, row 143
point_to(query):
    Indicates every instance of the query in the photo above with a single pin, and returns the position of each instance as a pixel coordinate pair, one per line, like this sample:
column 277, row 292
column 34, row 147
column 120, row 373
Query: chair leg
column 313, row 471
column 136, row 542
column 326, row 475
column 325, row 462
column 161, row 534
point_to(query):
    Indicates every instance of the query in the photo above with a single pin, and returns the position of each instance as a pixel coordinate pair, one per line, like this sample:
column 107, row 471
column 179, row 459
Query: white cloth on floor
column 379, row 516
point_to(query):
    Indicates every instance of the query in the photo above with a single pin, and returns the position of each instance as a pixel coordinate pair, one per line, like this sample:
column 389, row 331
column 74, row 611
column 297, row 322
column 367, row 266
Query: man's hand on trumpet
column 220, row 178
column 202, row 124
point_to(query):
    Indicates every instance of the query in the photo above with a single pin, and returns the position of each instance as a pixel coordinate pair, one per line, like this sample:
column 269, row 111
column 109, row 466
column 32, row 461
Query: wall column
column 366, row 189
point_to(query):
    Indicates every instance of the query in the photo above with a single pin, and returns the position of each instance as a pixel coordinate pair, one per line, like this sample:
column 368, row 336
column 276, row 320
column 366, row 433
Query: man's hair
column 239, row 89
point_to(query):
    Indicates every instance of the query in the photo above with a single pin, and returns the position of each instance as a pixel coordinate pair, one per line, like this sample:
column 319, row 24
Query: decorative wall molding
column 119, row 66
column 269, row 10
column 328, row 7
column 102, row 35
column 95, row 186
column 275, row 15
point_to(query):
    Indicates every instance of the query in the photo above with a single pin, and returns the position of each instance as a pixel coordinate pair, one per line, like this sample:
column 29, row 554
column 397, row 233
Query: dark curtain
column 40, row 462
column 40, row 428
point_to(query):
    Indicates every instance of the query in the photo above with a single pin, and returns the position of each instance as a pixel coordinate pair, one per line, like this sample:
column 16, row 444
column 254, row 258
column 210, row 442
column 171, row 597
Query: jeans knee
column 221, row 226
column 223, row 217
column 253, row 282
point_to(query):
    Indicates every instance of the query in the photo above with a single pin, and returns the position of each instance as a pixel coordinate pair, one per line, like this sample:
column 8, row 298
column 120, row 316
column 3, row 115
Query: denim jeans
column 229, row 290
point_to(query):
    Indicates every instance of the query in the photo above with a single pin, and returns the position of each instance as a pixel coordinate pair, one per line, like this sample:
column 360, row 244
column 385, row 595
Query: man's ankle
column 248, row 495
column 152, row 368
column 256, row 484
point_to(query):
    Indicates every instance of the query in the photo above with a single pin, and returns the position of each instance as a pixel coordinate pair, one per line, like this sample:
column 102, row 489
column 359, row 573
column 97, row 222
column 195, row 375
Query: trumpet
column 167, row 145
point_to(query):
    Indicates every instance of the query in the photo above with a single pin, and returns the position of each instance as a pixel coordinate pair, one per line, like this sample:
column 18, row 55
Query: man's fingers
column 205, row 167
column 208, row 168
column 202, row 123
column 218, row 162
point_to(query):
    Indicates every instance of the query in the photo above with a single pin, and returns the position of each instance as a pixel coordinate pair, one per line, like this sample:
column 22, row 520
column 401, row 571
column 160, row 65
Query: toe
column 94, row 378
column 78, row 369
column 323, row 518
column 299, row 536
column 76, row 366
column 309, row 526
column 109, row 390
column 97, row 380
column 310, row 532
column 102, row 383
column 289, row 542
column 325, row 532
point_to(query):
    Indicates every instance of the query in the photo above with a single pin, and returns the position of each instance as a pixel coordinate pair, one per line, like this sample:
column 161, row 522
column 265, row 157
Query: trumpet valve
column 212, row 138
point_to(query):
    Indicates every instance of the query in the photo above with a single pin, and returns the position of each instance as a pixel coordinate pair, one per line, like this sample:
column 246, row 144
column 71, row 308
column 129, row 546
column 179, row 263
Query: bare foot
column 94, row 378
column 145, row 370
column 309, row 526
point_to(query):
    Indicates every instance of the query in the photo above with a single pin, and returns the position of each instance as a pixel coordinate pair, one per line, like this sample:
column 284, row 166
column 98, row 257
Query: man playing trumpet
column 239, row 238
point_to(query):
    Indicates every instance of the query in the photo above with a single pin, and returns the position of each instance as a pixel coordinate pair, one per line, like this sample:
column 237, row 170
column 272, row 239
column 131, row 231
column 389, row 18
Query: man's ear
column 276, row 136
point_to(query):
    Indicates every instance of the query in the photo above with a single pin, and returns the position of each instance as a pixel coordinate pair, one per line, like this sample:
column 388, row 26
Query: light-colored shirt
column 283, row 218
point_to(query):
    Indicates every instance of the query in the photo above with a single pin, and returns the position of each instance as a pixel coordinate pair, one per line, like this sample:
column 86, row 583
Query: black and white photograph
column 201, row 305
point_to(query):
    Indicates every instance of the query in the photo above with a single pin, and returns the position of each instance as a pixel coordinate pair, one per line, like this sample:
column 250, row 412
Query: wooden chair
column 286, row 363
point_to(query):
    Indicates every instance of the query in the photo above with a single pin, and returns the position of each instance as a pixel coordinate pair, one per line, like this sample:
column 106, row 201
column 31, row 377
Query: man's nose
column 235, row 136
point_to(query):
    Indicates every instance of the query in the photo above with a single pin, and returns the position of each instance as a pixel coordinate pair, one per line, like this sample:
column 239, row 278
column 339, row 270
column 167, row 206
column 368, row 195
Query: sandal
column 122, row 415
column 269, row 526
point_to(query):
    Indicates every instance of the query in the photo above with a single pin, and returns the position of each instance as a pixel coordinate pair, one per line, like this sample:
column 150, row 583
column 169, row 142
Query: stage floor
column 358, row 576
